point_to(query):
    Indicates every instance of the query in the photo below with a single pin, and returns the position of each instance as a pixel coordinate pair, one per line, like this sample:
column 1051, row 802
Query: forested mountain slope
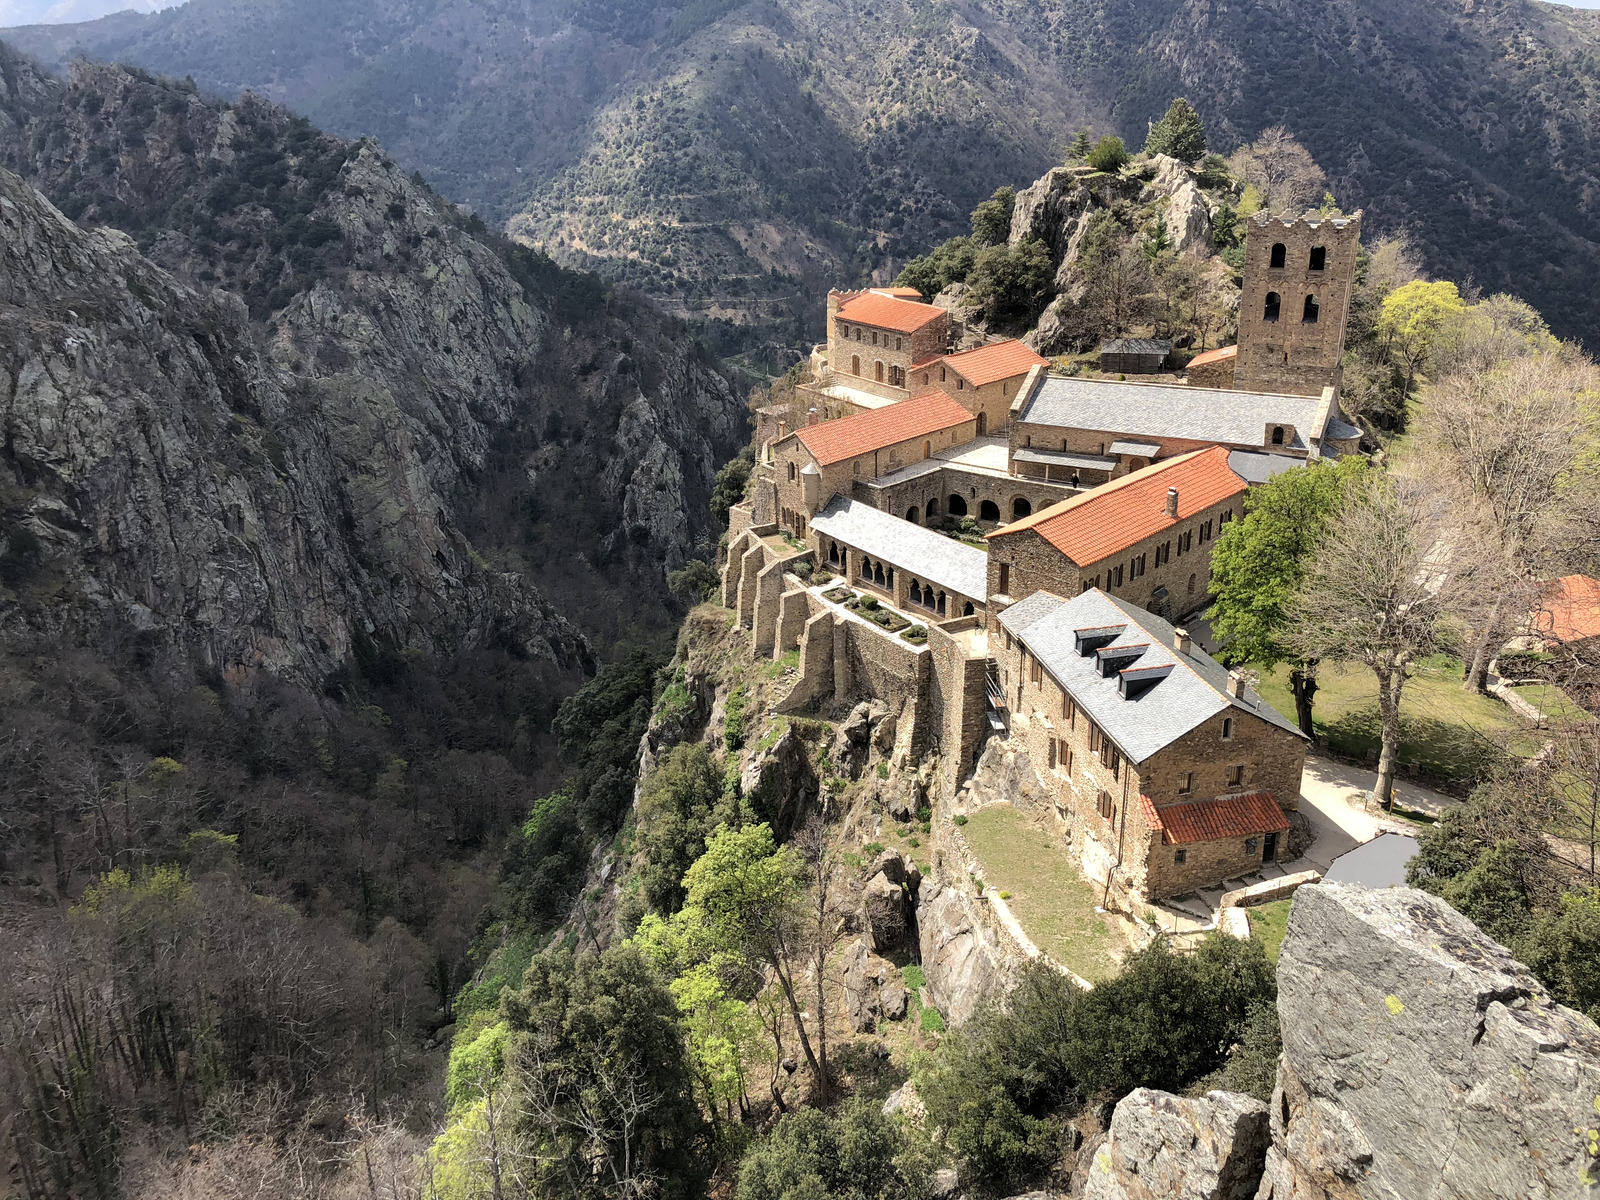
column 733, row 159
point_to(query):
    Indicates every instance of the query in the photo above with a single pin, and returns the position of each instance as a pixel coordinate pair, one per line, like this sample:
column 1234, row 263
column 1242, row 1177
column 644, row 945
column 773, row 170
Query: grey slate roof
column 930, row 556
column 1065, row 458
column 1339, row 430
column 1254, row 467
column 1142, row 449
column 1136, row 346
column 1195, row 690
column 1169, row 410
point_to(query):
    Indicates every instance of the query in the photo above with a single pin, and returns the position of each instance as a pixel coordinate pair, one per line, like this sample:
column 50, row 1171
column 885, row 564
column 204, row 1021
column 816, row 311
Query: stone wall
column 1289, row 354
column 1272, row 757
column 855, row 350
column 1215, row 374
column 974, row 487
column 992, row 400
column 957, row 697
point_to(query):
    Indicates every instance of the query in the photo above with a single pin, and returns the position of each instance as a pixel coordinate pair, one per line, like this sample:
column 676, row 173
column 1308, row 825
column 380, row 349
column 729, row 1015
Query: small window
column 1191, row 585
column 1280, row 255
column 1052, row 754
column 878, row 371
column 1274, row 305
column 1094, row 738
column 856, row 466
column 1319, row 258
column 1105, row 805
column 858, row 333
column 924, row 379
column 1069, row 758
column 941, row 374
column 874, row 337
column 791, row 472
column 1308, row 315
column 1252, row 847
column 1005, row 589
column 1277, row 435
column 1185, row 783
column 1227, row 728
column 1236, row 775
column 1180, row 856
column 897, row 343
column 855, row 364
column 961, row 384
column 927, row 449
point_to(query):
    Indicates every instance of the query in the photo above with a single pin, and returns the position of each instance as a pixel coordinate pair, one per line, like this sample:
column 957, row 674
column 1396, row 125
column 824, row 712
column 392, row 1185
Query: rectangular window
column 1070, row 758
column 1252, row 846
column 1180, row 856
column 1005, row 587
column 1094, row 737
column 1185, row 783
column 1035, row 672
column 1067, row 706
column 1119, row 575
column 1105, row 805
column 1052, row 754
column 1236, row 775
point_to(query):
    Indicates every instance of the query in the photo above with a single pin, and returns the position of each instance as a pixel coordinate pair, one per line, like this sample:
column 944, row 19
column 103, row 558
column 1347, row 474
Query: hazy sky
column 55, row 12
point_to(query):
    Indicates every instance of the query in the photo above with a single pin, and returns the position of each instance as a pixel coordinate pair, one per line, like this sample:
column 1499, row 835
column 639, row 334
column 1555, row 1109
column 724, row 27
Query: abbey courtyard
column 993, row 549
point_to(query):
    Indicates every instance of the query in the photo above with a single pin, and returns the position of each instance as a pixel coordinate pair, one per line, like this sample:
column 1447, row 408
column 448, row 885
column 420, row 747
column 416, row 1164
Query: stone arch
column 1309, row 314
column 1020, row 508
column 941, row 604
column 988, row 510
column 1272, row 308
column 956, row 506
column 983, row 423
column 932, row 507
column 916, row 592
column 833, row 551
column 966, row 609
column 1319, row 259
column 1277, row 435
column 877, row 573
column 1280, row 255
column 864, row 567
column 911, row 514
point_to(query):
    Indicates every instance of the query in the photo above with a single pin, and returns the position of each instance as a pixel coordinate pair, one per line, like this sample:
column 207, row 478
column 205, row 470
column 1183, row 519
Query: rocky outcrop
column 1166, row 1147
column 1421, row 1060
column 872, row 989
column 966, row 957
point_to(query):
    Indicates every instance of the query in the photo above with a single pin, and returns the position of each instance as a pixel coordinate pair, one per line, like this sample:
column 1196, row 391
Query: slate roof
column 888, row 312
column 1109, row 519
column 1191, row 693
column 928, row 555
column 1212, row 820
column 1136, row 346
column 836, row 441
column 992, row 363
column 1340, row 430
column 1157, row 410
column 1142, row 449
column 1065, row 458
column 1571, row 609
column 1255, row 467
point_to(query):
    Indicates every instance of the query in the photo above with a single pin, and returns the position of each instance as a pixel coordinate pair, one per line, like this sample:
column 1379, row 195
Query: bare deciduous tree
column 1282, row 170
column 1375, row 595
column 824, row 916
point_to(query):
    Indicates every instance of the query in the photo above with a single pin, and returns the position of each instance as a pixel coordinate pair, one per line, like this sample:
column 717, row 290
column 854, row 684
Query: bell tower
column 1298, row 275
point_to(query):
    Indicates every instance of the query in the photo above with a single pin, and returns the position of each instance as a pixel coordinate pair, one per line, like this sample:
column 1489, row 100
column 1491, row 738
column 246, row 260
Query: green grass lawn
column 1450, row 734
column 1555, row 703
column 1268, row 925
column 1053, row 902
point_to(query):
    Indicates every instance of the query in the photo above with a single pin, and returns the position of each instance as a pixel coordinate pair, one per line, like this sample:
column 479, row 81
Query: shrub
column 883, row 770
column 803, row 569
column 870, row 603
column 1012, row 282
column 872, row 849
column 991, row 220
column 733, row 733
column 932, row 1021
column 1109, row 154
column 959, row 819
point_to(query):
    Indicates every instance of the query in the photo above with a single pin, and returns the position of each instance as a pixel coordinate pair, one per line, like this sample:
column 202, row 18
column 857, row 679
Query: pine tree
column 1179, row 133
column 1081, row 145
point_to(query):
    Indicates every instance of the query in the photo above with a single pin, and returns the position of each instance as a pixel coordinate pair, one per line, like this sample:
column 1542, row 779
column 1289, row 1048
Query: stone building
column 874, row 338
column 1213, row 369
column 1146, row 536
column 1092, row 430
column 805, row 469
column 1298, row 276
column 984, row 380
column 1167, row 771
column 923, row 573
column 1134, row 356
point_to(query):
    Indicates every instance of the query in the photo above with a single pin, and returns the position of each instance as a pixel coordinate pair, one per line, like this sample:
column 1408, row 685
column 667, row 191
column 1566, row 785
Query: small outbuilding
column 1134, row 356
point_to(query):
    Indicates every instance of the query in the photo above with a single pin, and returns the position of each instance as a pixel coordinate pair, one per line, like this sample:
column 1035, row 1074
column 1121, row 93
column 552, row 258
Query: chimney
column 811, row 416
column 1182, row 644
column 1235, row 685
column 783, row 427
column 1172, row 503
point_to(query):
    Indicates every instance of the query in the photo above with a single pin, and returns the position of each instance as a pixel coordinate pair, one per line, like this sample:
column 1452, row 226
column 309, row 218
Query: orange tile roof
column 1109, row 519
column 903, row 293
column 1002, row 360
column 888, row 312
column 835, row 441
column 1212, row 820
column 1571, row 609
column 1211, row 356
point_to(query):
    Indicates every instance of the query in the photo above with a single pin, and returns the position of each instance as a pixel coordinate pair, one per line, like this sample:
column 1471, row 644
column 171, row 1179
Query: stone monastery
column 993, row 550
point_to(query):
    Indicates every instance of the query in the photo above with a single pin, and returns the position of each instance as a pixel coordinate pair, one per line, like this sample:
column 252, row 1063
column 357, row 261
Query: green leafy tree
column 695, row 583
column 680, row 803
column 945, row 264
column 991, row 220
column 1411, row 319
column 1109, row 154
column 1081, row 146
column 729, row 487
column 1011, row 282
column 1179, row 134
column 605, row 1085
column 1159, row 239
column 1258, row 563
column 1493, row 893
column 1563, row 950
column 860, row 1154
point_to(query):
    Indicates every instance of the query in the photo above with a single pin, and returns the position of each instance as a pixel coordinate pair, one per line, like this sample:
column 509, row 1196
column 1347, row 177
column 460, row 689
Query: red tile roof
column 1212, row 820
column 835, row 441
column 1211, row 356
column 888, row 312
column 1571, row 609
column 1109, row 519
column 903, row 293
column 987, row 364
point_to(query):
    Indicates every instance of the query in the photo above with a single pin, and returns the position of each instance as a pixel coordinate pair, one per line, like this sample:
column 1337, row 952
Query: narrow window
column 1319, row 258
column 878, row 371
column 1227, row 728
column 858, row 333
column 1105, row 805
column 1005, row 584
column 897, row 343
column 1280, row 254
column 1309, row 315
column 1191, row 585
column 857, row 466
column 1034, row 672
column 1094, row 738
column 927, row 449
column 924, row 379
column 1180, row 856
column 1052, row 754
column 1185, row 783
column 855, row 364
column 1236, row 775
column 791, row 472
column 961, row 384
column 1070, row 758
column 1274, row 304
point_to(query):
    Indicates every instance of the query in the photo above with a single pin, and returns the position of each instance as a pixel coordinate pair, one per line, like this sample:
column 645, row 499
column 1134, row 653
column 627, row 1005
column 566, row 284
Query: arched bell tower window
column 1273, row 305
column 1319, row 258
column 1309, row 315
column 1280, row 255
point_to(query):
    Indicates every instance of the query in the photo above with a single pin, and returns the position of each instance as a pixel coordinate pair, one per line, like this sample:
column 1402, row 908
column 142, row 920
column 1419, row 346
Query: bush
column 959, row 819
column 1109, row 154
column 1179, row 133
column 939, row 268
column 695, row 582
column 733, row 732
column 730, row 484
column 860, row 1154
column 991, row 220
column 1012, row 282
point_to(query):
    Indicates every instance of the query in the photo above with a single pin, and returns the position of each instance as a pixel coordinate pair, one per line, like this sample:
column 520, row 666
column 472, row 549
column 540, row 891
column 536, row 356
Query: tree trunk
column 787, row 985
column 1390, row 683
column 1478, row 672
column 822, row 1031
column 1303, row 681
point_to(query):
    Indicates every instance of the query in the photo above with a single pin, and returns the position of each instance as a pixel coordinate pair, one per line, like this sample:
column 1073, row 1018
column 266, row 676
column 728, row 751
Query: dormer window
column 1277, row 435
column 1088, row 641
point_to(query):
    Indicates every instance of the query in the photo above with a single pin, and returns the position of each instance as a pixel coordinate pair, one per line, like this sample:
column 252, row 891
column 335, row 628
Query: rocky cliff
column 383, row 425
column 1419, row 1061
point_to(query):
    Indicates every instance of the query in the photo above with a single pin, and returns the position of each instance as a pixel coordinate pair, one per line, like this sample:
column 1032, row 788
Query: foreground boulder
column 1420, row 1060
column 1166, row 1147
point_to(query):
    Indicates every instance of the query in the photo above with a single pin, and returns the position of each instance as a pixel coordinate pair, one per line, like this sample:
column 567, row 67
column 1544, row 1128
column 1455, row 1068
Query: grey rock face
column 962, row 956
column 883, row 906
column 1421, row 1061
column 1166, row 1147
